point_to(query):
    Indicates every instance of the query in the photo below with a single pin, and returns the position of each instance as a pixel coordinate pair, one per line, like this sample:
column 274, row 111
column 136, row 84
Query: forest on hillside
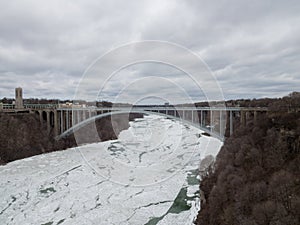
column 255, row 179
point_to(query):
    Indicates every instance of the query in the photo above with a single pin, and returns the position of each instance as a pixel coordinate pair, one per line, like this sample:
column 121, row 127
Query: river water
column 149, row 175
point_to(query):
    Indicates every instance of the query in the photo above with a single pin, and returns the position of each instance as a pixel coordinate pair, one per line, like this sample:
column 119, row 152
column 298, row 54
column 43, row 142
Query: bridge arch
column 92, row 119
column 44, row 115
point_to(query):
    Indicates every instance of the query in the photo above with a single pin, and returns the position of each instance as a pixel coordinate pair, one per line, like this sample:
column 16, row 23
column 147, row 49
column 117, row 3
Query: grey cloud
column 251, row 47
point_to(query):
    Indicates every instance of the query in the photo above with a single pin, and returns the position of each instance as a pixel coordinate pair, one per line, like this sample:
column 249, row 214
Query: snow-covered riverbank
column 147, row 176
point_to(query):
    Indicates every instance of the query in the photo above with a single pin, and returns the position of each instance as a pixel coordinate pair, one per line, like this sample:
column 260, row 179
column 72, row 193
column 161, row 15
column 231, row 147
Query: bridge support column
column 48, row 121
column 84, row 115
column 230, row 123
column 221, row 123
column 41, row 116
column 67, row 120
column 61, row 122
column 211, row 120
column 55, row 123
column 192, row 116
column 201, row 118
column 255, row 117
column 243, row 118
column 73, row 117
column 78, row 116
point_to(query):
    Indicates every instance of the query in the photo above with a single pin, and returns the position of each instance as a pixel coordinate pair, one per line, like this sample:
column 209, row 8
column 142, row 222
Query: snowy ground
column 147, row 176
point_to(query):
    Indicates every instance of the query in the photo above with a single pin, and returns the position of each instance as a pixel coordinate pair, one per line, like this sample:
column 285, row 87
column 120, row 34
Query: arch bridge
column 65, row 120
column 62, row 121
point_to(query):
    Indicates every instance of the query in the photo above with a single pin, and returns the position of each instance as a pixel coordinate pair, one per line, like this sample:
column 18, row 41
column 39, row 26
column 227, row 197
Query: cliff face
column 22, row 135
column 256, row 177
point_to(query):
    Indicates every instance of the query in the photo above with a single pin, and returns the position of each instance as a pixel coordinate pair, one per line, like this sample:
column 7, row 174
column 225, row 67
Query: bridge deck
column 5, row 107
column 168, row 108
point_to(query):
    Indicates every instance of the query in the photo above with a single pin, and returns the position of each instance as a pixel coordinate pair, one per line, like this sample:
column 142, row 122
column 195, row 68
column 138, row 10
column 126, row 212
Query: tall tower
column 19, row 98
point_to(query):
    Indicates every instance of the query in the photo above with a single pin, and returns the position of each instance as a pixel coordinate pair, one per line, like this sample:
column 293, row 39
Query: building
column 19, row 98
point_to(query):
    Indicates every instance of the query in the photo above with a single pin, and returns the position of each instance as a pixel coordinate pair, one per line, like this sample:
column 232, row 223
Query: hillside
column 256, row 177
column 22, row 135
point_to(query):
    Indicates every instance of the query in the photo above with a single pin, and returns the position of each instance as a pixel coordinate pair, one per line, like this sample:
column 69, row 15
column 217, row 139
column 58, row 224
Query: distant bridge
column 63, row 121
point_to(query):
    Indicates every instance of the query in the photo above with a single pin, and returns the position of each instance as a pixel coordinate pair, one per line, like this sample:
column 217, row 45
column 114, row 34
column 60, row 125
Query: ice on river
column 147, row 176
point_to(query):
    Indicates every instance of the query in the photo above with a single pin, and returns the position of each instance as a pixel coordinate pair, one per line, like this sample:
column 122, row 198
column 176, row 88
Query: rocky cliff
column 22, row 135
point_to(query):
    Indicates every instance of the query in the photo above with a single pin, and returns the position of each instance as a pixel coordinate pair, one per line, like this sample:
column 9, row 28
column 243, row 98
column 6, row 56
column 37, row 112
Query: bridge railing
column 40, row 106
column 29, row 106
column 7, row 106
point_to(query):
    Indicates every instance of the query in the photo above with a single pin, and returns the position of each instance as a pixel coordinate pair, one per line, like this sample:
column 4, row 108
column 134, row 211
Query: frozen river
column 147, row 176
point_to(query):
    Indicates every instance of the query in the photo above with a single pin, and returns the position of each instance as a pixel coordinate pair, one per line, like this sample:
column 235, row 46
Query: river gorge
column 149, row 175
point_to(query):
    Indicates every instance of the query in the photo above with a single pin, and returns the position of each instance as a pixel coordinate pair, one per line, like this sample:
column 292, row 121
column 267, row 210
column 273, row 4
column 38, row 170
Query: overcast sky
column 252, row 47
